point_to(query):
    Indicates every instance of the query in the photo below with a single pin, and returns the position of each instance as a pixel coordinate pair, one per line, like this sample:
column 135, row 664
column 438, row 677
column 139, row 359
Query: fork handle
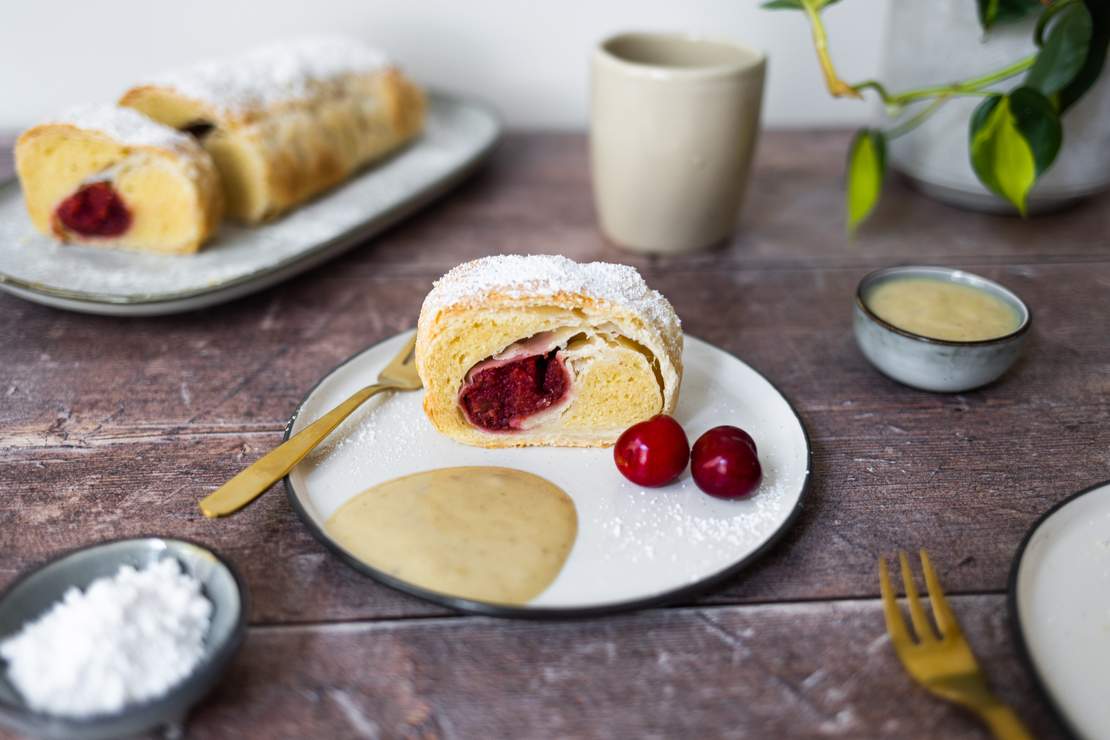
column 1004, row 723
column 267, row 470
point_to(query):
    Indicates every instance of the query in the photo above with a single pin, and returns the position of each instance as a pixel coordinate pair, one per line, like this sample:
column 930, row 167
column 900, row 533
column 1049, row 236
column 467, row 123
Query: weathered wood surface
column 102, row 441
column 112, row 427
column 768, row 671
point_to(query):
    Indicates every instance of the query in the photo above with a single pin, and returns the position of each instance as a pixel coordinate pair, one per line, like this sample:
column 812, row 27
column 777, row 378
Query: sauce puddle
column 482, row 533
column 942, row 309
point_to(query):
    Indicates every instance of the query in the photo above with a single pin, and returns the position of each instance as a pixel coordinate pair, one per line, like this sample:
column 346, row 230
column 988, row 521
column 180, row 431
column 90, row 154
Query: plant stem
column 923, row 115
column 878, row 87
column 918, row 118
column 974, row 85
column 838, row 88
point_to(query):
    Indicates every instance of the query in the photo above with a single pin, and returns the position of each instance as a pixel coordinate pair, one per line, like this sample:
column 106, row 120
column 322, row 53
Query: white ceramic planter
column 940, row 41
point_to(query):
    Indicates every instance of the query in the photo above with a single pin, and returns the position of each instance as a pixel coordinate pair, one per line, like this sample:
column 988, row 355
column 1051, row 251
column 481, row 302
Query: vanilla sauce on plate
column 483, row 533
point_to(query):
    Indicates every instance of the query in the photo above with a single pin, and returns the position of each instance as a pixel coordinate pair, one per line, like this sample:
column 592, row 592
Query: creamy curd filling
column 96, row 209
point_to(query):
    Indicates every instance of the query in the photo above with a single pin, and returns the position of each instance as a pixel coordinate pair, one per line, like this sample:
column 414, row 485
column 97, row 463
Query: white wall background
column 527, row 57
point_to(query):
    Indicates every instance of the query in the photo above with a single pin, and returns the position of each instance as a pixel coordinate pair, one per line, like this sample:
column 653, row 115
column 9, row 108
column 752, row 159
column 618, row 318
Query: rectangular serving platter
column 240, row 260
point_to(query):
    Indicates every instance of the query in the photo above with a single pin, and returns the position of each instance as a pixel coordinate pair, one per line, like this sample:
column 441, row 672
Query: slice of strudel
column 288, row 121
column 541, row 350
column 111, row 177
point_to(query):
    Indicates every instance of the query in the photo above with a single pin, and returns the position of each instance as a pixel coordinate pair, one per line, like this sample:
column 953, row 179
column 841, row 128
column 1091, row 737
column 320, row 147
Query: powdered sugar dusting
column 546, row 275
column 273, row 73
column 642, row 524
column 126, row 126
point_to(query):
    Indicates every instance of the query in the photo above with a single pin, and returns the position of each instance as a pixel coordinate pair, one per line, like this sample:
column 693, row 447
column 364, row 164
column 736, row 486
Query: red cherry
column 653, row 452
column 735, row 432
column 725, row 464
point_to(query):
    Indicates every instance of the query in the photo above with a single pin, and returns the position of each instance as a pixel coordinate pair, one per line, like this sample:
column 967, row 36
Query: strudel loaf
column 286, row 122
column 109, row 176
column 541, row 350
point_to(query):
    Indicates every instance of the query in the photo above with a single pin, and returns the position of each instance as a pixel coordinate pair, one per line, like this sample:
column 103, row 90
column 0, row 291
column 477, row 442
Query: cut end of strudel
column 108, row 176
column 286, row 122
column 540, row 350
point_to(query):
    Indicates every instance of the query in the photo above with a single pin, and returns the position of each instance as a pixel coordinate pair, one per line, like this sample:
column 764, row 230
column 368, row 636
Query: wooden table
column 114, row 427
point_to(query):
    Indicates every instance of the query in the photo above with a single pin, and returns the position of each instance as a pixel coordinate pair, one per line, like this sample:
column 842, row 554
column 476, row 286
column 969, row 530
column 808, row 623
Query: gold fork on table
column 941, row 660
column 398, row 375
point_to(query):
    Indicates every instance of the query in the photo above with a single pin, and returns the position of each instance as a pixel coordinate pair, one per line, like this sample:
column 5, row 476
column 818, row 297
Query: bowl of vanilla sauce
column 937, row 328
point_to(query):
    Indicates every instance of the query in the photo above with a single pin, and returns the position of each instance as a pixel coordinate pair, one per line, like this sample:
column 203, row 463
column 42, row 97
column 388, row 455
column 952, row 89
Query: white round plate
column 1060, row 607
column 636, row 547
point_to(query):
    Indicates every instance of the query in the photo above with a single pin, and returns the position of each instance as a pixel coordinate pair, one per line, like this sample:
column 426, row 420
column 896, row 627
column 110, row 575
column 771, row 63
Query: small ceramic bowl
column 34, row 593
column 938, row 365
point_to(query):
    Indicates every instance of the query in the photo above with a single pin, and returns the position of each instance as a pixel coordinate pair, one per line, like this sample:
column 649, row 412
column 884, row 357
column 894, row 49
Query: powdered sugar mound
column 272, row 73
column 125, row 639
column 126, row 126
column 546, row 275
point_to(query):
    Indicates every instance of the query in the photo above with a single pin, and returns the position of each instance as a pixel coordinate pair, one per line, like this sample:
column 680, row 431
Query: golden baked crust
column 286, row 123
column 620, row 342
column 166, row 181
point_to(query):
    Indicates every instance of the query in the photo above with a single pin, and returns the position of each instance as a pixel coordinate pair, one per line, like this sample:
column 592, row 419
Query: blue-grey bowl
column 34, row 593
column 938, row 365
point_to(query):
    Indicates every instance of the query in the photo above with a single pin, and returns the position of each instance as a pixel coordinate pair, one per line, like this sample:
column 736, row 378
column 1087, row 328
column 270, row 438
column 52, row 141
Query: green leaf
column 1004, row 11
column 1096, row 55
column 1001, row 158
column 866, row 170
column 1014, row 138
column 1039, row 123
column 1065, row 50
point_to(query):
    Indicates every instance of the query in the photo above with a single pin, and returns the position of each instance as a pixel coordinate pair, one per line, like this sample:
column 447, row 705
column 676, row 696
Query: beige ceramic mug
column 673, row 126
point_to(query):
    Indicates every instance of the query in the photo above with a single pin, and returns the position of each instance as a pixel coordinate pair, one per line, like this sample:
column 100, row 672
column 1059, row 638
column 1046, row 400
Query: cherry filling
column 94, row 210
column 503, row 395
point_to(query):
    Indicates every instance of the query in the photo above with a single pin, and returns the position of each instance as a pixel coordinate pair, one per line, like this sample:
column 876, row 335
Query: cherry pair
column 724, row 462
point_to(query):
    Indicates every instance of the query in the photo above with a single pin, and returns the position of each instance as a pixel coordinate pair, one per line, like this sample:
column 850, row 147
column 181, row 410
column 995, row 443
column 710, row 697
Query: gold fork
column 398, row 375
column 942, row 660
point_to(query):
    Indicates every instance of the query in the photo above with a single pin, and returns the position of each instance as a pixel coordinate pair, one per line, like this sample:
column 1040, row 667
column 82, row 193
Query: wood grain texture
column 799, row 671
column 135, row 420
column 534, row 196
column 113, row 427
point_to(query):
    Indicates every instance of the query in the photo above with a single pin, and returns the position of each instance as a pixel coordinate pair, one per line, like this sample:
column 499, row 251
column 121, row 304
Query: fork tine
column 921, row 624
column 895, row 623
column 942, row 612
column 401, row 370
column 406, row 356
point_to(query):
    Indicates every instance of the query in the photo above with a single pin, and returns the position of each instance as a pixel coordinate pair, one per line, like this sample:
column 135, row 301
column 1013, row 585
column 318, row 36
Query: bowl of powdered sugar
column 118, row 638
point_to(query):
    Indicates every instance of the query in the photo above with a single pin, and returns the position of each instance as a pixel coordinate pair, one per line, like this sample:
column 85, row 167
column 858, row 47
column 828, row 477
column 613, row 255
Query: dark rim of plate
column 955, row 272
column 682, row 593
column 1024, row 654
column 210, row 667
